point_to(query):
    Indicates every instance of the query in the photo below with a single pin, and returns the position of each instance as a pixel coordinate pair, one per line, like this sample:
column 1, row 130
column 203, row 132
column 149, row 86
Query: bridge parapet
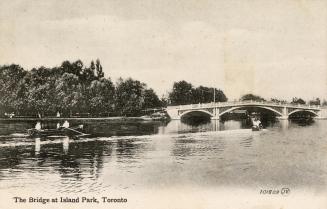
column 237, row 103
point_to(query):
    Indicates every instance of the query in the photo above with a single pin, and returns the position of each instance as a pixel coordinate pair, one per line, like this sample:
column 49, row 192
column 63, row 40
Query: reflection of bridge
column 216, row 110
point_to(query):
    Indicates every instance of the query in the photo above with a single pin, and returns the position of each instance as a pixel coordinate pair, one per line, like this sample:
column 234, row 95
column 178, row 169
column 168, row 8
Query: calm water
column 134, row 155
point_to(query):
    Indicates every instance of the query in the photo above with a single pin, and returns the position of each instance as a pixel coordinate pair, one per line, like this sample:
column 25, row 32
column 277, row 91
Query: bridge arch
column 302, row 110
column 196, row 113
column 240, row 107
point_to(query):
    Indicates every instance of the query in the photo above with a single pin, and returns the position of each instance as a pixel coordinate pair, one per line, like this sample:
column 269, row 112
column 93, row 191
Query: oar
column 81, row 133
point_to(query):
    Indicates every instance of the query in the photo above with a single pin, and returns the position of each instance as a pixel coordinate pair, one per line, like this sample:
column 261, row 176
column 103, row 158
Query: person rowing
column 38, row 126
column 63, row 126
column 66, row 124
column 256, row 124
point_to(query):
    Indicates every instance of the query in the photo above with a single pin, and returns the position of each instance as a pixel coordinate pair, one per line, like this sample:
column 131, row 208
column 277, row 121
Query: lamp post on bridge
column 214, row 95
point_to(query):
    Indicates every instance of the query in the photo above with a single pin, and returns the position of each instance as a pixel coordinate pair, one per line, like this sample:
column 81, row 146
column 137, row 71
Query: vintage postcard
column 171, row 104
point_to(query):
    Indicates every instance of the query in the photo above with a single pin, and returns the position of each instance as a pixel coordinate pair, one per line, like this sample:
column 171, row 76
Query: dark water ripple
column 292, row 156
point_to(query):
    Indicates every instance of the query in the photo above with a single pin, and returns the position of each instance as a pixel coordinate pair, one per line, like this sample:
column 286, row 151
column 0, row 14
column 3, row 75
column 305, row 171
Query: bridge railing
column 231, row 103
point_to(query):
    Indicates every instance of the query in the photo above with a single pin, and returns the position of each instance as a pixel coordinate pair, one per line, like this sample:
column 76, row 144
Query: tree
column 296, row 100
column 220, row 96
column 164, row 101
column 102, row 94
column 39, row 99
column 275, row 100
column 39, row 85
column 21, row 101
column 10, row 80
column 324, row 103
column 151, row 99
column 252, row 97
column 315, row 101
column 88, row 74
column 75, row 68
column 182, row 93
column 69, row 92
column 204, row 94
column 99, row 72
column 129, row 97
column 71, row 87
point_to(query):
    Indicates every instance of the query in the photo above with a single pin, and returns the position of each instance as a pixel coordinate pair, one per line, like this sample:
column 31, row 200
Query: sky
column 270, row 48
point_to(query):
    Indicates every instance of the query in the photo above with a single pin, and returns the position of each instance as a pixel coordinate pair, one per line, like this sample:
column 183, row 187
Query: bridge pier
column 284, row 115
column 215, row 114
column 173, row 113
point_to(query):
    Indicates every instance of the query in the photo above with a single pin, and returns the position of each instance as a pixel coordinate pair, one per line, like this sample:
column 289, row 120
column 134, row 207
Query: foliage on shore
column 295, row 100
column 74, row 88
column 185, row 93
column 71, row 88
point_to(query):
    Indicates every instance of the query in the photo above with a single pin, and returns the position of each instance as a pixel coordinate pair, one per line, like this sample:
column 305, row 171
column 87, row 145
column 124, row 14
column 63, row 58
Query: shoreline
column 79, row 119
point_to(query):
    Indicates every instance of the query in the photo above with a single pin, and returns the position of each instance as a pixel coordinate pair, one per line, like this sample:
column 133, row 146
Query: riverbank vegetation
column 185, row 93
column 295, row 100
column 72, row 88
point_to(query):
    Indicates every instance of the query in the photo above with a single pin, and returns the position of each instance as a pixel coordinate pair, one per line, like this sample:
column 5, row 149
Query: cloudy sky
column 272, row 48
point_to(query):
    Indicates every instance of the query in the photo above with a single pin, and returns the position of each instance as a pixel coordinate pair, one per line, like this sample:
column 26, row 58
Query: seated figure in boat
column 66, row 124
column 256, row 124
column 38, row 126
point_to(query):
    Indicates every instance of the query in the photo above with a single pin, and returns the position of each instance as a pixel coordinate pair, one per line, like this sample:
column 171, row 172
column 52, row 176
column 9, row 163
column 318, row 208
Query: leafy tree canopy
column 315, row 102
column 184, row 93
column 71, row 88
column 252, row 97
column 296, row 100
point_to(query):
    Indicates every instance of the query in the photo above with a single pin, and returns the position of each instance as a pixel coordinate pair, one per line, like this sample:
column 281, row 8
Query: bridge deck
column 243, row 103
column 219, row 108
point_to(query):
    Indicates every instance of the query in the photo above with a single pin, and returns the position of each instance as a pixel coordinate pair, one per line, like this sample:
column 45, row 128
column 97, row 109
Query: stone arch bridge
column 216, row 110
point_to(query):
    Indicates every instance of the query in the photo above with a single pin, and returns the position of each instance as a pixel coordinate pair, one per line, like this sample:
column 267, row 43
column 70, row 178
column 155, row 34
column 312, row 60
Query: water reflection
column 37, row 146
column 176, row 126
column 65, row 144
column 173, row 154
column 97, row 128
column 284, row 124
column 108, row 128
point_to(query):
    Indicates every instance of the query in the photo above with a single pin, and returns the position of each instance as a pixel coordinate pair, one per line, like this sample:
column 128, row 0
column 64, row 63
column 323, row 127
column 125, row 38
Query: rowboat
column 256, row 128
column 44, row 132
column 62, row 131
column 256, row 123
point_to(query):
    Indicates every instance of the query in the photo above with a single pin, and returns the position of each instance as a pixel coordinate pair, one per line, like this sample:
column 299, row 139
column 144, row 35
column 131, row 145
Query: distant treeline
column 70, row 89
column 185, row 93
column 74, row 89
column 295, row 100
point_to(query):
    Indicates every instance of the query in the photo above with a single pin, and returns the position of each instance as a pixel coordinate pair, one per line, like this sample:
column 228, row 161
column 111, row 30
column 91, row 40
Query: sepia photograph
column 163, row 104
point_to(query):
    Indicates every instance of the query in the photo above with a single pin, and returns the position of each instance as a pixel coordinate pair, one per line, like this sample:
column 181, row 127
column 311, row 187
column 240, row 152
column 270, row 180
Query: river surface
column 153, row 156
